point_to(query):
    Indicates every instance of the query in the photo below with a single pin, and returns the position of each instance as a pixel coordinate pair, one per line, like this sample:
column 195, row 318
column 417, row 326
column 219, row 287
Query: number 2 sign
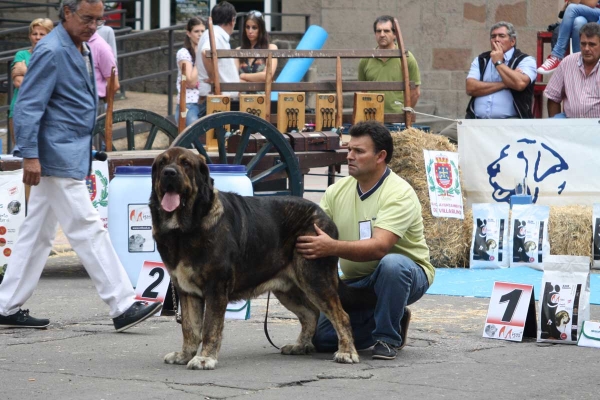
column 153, row 282
column 511, row 313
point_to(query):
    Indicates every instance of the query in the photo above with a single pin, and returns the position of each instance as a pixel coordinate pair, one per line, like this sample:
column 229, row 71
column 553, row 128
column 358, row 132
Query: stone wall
column 443, row 35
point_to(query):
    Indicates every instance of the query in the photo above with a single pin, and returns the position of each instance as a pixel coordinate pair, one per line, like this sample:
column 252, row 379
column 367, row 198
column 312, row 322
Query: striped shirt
column 579, row 93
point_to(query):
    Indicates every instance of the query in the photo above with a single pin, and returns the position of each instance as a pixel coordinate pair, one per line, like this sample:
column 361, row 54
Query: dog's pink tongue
column 170, row 201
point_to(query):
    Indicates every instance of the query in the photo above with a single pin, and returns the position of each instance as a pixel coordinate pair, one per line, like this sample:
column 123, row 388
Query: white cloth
column 191, row 94
column 65, row 201
column 227, row 70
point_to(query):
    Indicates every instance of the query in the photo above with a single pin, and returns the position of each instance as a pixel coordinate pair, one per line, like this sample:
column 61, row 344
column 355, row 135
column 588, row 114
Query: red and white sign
column 508, row 311
column 445, row 193
column 153, row 283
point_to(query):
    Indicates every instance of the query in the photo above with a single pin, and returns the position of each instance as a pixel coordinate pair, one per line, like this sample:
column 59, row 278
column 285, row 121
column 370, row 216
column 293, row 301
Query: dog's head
column 181, row 185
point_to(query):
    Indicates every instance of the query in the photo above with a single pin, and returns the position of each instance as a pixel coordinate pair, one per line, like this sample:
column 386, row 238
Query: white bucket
column 130, row 221
column 231, row 178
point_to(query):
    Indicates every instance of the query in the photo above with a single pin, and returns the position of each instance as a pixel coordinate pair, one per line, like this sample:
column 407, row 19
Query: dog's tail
column 356, row 299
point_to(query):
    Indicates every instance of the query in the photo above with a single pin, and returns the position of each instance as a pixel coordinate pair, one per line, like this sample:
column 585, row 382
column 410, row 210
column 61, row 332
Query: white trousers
column 65, row 201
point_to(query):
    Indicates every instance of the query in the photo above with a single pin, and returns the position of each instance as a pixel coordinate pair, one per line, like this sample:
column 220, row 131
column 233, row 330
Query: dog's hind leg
column 296, row 301
column 318, row 280
column 192, row 313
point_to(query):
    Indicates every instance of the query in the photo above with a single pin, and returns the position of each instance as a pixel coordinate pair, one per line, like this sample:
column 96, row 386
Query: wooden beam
column 213, row 54
column 347, row 119
column 110, row 96
column 183, row 99
column 404, row 64
column 326, row 86
column 264, row 53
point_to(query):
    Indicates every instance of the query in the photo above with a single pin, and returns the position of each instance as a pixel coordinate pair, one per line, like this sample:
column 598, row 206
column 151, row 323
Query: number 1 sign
column 511, row 313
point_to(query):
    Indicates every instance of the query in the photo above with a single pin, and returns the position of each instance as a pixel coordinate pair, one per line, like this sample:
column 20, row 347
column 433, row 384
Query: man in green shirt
column 390, row 69
column 381, row 243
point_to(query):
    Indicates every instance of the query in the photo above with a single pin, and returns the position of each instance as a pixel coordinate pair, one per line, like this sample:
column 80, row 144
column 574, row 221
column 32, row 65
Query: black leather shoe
column 138, row 312
column 22, row 319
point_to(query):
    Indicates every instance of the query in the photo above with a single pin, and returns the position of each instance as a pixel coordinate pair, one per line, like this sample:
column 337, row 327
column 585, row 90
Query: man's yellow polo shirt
column 393, row 206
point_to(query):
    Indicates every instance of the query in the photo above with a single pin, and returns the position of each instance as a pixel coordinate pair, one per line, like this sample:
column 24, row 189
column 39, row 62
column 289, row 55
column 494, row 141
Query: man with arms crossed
column 381, row 243
column 500, row 81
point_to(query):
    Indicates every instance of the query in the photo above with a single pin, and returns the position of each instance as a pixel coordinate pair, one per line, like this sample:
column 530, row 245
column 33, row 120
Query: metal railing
column 124, row 34
column 11, row 4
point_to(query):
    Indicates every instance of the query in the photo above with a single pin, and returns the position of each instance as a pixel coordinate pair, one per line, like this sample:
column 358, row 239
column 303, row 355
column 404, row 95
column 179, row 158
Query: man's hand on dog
column 311, row 247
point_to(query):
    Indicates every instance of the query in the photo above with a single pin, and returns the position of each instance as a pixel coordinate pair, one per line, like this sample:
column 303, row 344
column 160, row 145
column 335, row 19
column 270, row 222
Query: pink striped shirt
column 579, row 93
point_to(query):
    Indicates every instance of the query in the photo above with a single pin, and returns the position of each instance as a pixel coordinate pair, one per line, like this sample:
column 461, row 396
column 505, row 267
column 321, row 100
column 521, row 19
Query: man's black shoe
column 384, row 351
column 404, row 327
column 22, row 319
column 138, row 312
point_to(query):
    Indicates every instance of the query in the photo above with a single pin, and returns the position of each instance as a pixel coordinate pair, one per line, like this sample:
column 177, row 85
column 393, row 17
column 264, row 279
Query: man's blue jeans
column 576, row 15
column 195, row 111
column 397, row 281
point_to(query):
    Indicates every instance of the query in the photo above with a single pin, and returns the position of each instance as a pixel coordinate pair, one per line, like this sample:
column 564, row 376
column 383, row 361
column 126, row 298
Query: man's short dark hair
column 384, row 19
column 73, row 6
column 590, row 29
column 223, row 13
column 379, row 134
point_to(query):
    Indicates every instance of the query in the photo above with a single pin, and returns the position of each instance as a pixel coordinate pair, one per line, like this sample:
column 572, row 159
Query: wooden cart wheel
column 266, row 160
column 132, row 115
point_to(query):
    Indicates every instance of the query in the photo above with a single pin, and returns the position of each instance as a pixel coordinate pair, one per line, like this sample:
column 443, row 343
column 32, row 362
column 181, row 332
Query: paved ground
column 81, row 357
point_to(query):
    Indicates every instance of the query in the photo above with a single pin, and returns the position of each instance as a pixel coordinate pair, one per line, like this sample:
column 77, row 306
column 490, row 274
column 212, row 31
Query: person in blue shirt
column 54, row 122
column 500, row 81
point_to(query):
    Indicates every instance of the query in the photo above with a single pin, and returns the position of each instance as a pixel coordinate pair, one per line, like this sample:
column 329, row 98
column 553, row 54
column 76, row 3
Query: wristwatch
column 499, row 62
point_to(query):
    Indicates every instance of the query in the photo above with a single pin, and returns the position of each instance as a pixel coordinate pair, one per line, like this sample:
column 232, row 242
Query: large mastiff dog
column 220, row 247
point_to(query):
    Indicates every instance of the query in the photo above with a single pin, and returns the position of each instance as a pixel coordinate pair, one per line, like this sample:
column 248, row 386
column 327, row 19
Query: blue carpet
column 479, row 282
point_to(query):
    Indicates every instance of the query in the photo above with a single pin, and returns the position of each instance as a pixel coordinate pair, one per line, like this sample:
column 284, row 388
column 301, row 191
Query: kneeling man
column 381, row 243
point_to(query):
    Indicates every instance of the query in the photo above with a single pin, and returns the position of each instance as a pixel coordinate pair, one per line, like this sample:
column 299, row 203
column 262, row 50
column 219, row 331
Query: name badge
column 364, row 230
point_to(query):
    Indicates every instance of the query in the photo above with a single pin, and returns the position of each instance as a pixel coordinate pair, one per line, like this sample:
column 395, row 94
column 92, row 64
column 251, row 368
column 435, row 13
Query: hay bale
column 445, row 236
column 570, row 230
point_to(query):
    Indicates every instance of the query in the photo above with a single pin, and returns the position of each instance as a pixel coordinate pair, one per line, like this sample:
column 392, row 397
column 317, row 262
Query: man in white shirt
column 223, row 17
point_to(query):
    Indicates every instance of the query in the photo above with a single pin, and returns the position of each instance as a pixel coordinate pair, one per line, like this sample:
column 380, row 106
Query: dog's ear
column 153, row 194
column 203, row 174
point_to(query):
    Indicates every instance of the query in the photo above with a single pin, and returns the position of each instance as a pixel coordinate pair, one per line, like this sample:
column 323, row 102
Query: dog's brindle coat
column 221, row 247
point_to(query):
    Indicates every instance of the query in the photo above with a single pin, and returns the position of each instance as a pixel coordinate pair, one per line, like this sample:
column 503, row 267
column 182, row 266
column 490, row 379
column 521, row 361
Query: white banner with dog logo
column 558, row 158
column 445, row 194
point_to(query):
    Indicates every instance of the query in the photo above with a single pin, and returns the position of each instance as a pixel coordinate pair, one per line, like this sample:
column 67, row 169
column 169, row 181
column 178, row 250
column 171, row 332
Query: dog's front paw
column 200, row 362
column 178, row 357
column 297, row 349
column 346, row 358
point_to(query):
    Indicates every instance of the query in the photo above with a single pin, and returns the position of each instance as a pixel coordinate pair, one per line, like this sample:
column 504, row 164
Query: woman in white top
column 187, row 56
